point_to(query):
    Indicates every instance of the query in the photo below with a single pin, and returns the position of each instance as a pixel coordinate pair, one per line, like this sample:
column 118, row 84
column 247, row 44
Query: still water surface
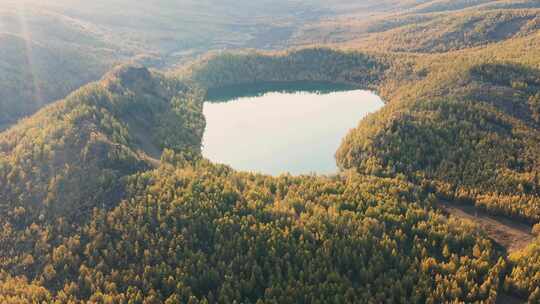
column 283, row 131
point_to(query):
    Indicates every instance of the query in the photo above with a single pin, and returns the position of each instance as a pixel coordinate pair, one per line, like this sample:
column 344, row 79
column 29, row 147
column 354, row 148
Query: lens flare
column 21, row 13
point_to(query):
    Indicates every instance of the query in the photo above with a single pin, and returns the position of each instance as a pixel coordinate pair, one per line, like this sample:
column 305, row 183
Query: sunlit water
column 281, row 132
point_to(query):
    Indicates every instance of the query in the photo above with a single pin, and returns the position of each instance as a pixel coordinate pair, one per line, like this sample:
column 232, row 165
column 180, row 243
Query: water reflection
column 256, row 90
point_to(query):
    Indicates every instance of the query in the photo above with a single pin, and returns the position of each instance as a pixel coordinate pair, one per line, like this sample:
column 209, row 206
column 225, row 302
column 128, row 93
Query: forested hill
column 468, row 128
column 50, row 48
column 191, row 231
column 71, row 156
column 463, row 123
column 311, row 64
column 87, row 219
column 194, row 232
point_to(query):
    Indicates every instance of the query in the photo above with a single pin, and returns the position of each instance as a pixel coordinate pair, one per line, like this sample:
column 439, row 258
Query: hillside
column 462, row 125
column 425, row 26
column 50, row 48
column 471, row 132
column 44, row 57
column 443, row 33
column 286, row 239
column 69, row 157
column 32, row 75
column 105, row 197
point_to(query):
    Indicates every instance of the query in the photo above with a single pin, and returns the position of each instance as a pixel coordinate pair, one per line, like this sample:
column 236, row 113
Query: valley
column 124, row 180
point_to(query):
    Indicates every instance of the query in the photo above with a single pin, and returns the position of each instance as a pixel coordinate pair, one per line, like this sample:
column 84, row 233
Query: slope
column 69, row 157
column 469, row 131
column 196, row 232
column 424, row 26
column 191, row 231
column 463, row 123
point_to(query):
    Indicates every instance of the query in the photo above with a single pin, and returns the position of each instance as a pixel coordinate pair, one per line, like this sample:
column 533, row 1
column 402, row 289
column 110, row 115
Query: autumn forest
column 106, row 197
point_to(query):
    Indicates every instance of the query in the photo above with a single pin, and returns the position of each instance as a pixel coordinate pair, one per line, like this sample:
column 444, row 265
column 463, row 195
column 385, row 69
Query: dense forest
column 314, row 64
column 457, row 31
column 113, row 230
column 194, row 232
column 68, row 158
column 477, row 141
column 106, row 198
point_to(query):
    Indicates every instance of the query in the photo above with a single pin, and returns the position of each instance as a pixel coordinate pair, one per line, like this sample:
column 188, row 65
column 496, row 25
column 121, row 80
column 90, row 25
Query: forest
column 105, row 196
column 254, row 238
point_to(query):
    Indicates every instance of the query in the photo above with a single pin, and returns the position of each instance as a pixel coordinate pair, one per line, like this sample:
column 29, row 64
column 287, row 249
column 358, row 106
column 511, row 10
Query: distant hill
column 35, row 74
column 425, row 26
column 442, row 33
column 44, row 57
column 51, row 48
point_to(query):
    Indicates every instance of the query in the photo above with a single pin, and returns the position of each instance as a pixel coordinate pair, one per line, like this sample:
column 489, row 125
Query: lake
column 275, row 129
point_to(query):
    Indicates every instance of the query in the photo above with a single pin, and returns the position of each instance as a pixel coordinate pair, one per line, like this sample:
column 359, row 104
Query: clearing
column 510, row 234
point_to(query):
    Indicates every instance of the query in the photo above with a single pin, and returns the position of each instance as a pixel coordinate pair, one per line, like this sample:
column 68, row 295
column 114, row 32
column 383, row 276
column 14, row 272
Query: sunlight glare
column 27, row 36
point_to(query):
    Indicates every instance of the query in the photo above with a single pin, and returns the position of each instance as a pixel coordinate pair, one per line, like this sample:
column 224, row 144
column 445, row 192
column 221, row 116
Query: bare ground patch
column 510, row 234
